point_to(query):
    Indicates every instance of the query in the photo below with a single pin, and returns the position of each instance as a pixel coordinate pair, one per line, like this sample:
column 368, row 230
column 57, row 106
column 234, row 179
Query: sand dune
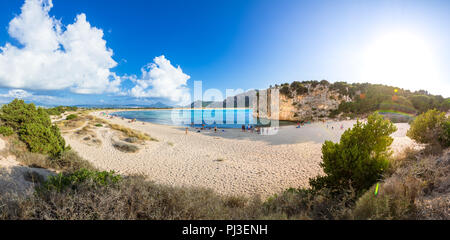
column 230, row 162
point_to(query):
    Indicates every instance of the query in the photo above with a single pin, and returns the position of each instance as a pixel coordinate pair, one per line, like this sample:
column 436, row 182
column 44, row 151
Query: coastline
column 230, row 162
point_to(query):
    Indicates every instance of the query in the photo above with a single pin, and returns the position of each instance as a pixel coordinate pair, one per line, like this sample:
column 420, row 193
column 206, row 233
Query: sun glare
column 400, row 59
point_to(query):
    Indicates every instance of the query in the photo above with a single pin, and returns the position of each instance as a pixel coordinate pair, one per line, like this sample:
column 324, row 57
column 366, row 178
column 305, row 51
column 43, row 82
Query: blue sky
column 225, row 44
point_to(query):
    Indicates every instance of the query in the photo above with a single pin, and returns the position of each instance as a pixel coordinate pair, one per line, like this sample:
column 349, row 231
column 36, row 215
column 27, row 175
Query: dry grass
column 88, row 136
column 418, row 189
column 303, row 204
column 96, row 120
column 68, row 125
column 135, row 198
column 68, row 161
column 132, row 133
column 132, row 198
column 124, row 147
column 34, row 177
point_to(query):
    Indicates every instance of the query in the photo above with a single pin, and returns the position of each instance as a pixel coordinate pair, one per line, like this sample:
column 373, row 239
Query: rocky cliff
column 301, row 101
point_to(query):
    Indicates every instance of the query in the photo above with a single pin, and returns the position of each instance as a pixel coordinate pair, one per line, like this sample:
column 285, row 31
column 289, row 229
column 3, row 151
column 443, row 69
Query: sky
column 67, row 52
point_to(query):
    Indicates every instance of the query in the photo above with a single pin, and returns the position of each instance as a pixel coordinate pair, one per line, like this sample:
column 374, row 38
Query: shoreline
column 230, row 162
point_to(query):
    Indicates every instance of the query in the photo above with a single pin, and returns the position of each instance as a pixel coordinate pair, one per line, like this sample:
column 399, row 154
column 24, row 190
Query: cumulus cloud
column 161, row 79
column 55, row 57
column 17, row 93
column 28, row 96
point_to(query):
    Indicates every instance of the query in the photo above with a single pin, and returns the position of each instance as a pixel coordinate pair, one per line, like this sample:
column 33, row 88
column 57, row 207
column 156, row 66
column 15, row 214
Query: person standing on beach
column 243, row 128
column 186, row 130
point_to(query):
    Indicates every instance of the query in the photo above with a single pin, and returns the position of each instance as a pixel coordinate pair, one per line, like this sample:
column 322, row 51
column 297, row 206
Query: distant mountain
column 159, row 105
column 244, row 99
column 153, row 105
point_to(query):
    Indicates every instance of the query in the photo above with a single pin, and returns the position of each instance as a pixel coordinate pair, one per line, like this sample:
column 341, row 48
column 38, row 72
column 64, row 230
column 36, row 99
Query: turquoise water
column 223, row 118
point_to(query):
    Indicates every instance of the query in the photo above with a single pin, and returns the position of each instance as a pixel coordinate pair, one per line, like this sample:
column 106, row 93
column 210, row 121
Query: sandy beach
column 230, row 162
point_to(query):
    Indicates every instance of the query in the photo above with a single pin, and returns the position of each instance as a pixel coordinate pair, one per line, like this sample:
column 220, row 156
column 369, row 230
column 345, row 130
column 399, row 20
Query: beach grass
column 132, row 133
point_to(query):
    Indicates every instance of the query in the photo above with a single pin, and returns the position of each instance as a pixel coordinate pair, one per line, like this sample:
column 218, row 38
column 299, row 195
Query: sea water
column 222, row 118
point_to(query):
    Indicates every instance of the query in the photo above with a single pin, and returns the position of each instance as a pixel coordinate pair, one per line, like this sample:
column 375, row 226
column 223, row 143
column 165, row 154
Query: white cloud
column 162, row 80
column 28, row 96
column 17, row 93
column 52, row 58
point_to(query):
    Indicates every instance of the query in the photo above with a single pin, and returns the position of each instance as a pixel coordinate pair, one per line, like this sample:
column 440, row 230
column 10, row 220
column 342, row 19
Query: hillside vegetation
column 367, row 98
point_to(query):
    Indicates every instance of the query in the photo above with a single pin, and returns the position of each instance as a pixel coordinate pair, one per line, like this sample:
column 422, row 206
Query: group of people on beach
column 204, row 127
column 244, row 128
column 249, row 128
column 302, row 123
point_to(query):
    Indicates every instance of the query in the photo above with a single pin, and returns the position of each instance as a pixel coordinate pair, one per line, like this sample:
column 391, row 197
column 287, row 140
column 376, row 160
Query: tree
column 34, row 127
column 359, row 158
column 431, row 127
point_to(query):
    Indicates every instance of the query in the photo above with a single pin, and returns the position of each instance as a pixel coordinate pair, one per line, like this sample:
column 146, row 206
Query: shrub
column 285, row 91
column 70, row 161
column 6, row 131
column 56, row 111
column 299, row 88
column 395, row 205
column 93, row 196
column 131, row 140
column 42, row 139
column 417, row 189
column 432, row 127
column 60, row 182
column 132, row 133
column 310, row 205
column 34, row 127
column 359, row 158
column 127, row 148
column 17, row 113
column 71, row 117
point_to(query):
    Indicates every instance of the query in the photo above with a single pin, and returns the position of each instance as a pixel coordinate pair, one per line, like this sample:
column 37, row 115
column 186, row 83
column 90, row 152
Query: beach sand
column 230, row 162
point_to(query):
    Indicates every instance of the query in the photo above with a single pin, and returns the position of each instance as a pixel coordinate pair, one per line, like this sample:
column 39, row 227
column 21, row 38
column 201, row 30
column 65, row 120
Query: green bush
column 56, row 111
column 299, row 88
column 6, row 131
column 359, row 158
column 42, row 139
column 61, row 181
column 17, row 113
column 34, row 127
column 432, row 127
column 285, row 91
column 71, row 117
